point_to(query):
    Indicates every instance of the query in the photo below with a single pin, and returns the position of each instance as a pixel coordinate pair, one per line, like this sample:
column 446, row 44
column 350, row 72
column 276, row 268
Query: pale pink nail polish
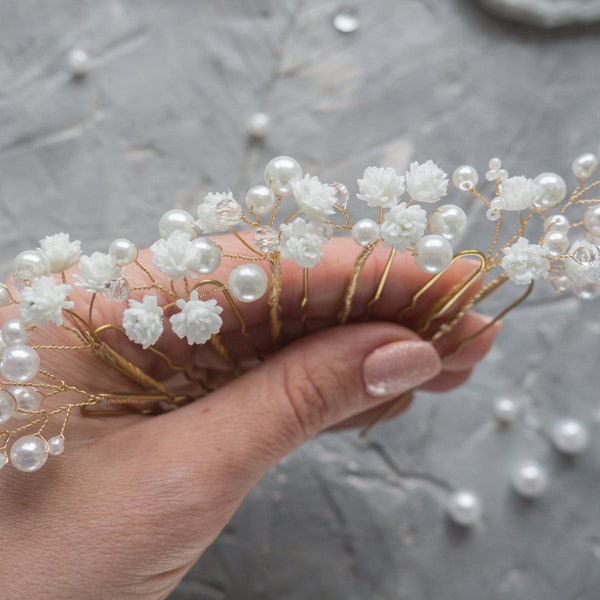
column 400, row 366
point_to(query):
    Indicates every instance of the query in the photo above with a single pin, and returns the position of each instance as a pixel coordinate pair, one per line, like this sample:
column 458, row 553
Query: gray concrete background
column 162, row 118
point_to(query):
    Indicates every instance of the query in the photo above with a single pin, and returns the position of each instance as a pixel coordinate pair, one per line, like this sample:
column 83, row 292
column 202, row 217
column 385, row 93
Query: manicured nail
column 400, row 366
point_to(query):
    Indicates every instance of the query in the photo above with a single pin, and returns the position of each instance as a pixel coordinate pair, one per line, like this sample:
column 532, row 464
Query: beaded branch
column 34, row 401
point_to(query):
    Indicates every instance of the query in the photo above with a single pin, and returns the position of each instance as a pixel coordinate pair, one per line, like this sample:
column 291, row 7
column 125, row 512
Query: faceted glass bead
column 587, row 255
column 29, row 453
column 117, row 290
column 342, row 195
column 266, row 239
column 229, row 211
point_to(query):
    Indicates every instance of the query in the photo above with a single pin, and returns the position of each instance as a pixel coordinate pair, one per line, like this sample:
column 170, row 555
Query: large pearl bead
column 20, row 363
column 448, row 220
column 365, row 232
column 260, row 200
column 29, row 453
column 248, row 282
column 465, row 177
column 176, row 220
column 554, row 190
column 8, row 406
column 464, row 508
column 585, row 165
column 591, row 219
column 123, row 251
column 28, row 398
column 280, row 172
column 570, row 436
column 556, row 243
column 207, row 256
column 27, row 266
column 14, row 332
column 530, row 479
column 433, row 253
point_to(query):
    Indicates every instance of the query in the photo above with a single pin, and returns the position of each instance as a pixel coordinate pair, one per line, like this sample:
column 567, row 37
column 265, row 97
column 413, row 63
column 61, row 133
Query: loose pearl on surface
column 4, row 296
column 260, row 200
column 591, row 219
column 29, row 453
column 570, row 436
column 365, row 232
column 465, row 177
column 449, row 221
column 346, row 21
column 464, row 508
column 530, row 479
column 27, row 397
column 79, row 62
column 27, row 266
column 56, row 445
column 248, row 282
column 280, row 172
column 555, row 190
column 15, row 332
column 208, row 256
column 585, row 165
column 123, row 251
column 259, row 124
column 433, row 253
column 20, row 363
column 8, row 406
column 506, row 410
column 176, row 220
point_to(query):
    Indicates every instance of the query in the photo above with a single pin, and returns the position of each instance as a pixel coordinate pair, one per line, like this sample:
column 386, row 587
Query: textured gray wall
column 162, row 118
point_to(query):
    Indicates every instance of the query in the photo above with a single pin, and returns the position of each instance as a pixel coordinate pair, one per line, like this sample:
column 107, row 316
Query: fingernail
column 400, row 366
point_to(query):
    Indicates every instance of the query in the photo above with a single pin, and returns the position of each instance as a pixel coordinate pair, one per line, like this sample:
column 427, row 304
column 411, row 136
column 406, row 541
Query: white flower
column 380, row 187
column 218, row 212
column 61, row 252
column 174, row 255
column 44, row 301
column 143, row 321
column 426, row 182
column 314, row 198
column 198, row 319
column 402, row 227
column 519, row 193
column 97, row 271
column 302, row 241
column 524, row 262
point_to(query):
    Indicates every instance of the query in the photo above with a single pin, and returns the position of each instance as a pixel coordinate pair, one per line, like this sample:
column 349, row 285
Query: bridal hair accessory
column 538, row 232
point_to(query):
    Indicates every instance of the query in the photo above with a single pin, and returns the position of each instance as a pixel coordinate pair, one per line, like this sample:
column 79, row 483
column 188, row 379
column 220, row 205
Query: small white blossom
column 218, row 212
column 60, row 251
column 314, row 198
column 426, row 182
column 524, row 262
column 143, row 321
column 380, row 187
column 403, row 226
column 519, row 193
column 175, row 255
column 302, row 241
column 97, row 271
column 44, row 301
column 198, row 319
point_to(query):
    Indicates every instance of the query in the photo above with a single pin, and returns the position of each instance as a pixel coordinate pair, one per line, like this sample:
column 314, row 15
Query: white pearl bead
column 5, row 299
column 8, row 406
column 3, row 459
column 465, row 177
column 506, row 410
column 14, row 332
column 556, row 243
column 591, row 219
column 123, row 251
column 259, row 124
column 260, row 200
column 346, row 21
column 570, row 436
column 280, row 172
column 365, row 232
column 557, row 223
column 464, row 508
column 554, row 190
column 79, row 62
column 561, row 283
column 29, row 453
column 20, row 363
column 449, row 221
column 27, row 266
column 530, row 479
column 248, row 282
column 176, row 220
column 433, row 253
column 207, row 256
column 56, row 445
column 27, row 397
column 585, row 165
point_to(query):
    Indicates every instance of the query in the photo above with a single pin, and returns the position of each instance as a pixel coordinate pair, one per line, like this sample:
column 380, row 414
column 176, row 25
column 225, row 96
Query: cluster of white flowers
column 177, row 256
column 62, row 253
column 426, row 182
column 44, row 300
column 218, row 212
column 143, row 321
column 97, row 271
column 198, row 319
column 380, row 187
column 314, row 198
column 303, row 241
column 519, row 193
column 403, row 226
column 525, row 262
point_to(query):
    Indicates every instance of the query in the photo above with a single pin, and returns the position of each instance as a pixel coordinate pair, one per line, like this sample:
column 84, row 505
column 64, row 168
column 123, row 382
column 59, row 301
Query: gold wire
column 273, row 299
column 382, row 282
column 304, row 303
column 246, row 244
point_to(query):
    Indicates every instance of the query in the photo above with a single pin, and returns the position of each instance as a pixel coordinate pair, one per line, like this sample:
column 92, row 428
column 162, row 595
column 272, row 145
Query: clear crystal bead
column 342, row 194
column 266, row 239
column 117, row 290
column 229, row 211
column 587, row 255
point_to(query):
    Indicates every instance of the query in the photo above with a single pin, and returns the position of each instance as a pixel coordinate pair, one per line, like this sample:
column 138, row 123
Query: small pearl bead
column 28, row 398
column 561, row 284
column 260, row 200
column 207, row 256
column 56, row 445
column 556, row 243
column 20, row 363
column 464, row 508
column 27, row 266
column 280, row 172
column 433, row 253
column 29, row 453
column 555, row 190
column 14, row 332
column 79, row 62
column 248, row 282
column 585, row 165
column 123, row 251
column 259, row 124
column 176, row 220
column 465, row 177
column 530, row 480
column 5, row 299
column 449, row 221
column 8, row 406
column 365, row 232
column 591, row 219
column 346, row 21
column 506, row 410
column 557, row 223
column 570, row 436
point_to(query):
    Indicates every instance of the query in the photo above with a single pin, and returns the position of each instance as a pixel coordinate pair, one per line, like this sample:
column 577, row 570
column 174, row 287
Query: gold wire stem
column 496, row 238
column 520, row 232
column 273, row 299
column 304, row 303
column 153, row 279
column 91, row 308
column 216, row 342
column 275, row 210
column 245, row 243
column 382, row 281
